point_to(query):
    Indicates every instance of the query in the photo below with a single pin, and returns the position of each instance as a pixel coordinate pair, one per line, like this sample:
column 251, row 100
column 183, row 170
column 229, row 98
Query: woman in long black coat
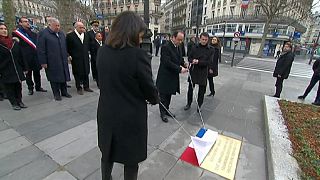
column 12, row 68
column 126, row 85
column 213, row 69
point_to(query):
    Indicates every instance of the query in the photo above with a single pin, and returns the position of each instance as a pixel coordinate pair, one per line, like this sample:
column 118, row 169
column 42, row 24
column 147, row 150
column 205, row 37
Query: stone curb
column 281, row 165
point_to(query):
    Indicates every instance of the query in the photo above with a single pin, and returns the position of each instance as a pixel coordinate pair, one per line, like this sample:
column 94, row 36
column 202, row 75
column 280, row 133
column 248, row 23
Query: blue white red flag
column 25, row 38
column 245, row 4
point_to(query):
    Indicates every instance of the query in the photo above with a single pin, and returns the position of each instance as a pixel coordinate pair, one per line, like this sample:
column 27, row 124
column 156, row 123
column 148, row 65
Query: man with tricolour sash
column 28, row 41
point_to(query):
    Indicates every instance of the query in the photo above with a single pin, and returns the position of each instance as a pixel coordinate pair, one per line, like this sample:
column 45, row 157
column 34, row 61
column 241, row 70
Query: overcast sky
column 317, row 6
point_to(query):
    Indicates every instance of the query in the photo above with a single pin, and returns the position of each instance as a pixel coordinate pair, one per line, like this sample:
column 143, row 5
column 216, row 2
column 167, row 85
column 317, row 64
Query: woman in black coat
column 12, row 68
column 126, row 85
column 283, row 67
column 213, row 69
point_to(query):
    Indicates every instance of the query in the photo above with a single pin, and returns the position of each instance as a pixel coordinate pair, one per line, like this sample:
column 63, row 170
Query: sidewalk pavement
column 58, row 140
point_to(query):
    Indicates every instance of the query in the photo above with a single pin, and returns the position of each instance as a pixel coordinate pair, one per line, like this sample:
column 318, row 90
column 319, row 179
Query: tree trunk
column 263, row 39
column 9, row 14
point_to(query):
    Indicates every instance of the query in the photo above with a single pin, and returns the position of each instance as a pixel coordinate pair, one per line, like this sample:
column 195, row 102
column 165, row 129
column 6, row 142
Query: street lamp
column 146, row 42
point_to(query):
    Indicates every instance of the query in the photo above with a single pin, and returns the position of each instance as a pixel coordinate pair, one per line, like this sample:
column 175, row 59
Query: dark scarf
column 6, row 41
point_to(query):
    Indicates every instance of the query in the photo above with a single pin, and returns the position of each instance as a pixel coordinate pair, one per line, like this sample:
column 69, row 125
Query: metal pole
column 224, row 32
column 197, row 23
column 313, row 48
column 234, row 52
column 146, row 43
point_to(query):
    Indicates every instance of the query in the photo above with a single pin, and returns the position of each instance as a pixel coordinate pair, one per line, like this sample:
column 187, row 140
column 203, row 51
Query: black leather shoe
column 58, row 98
column 211, row 94
column 276, row 96
column 316, row 103
column 301, row 97
column 16, row 107
column 22, row 105
column 80, row 92
column 41, row 90
column 164, row 119
column 187, row 107
column 30, row 92
column 68, row 86
column 88, row 89
column 67, row 95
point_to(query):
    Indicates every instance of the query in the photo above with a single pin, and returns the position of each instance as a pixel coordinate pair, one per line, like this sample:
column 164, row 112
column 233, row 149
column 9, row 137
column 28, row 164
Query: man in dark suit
column 53, row 57
column 94, row 29
column 200, row 58
column 283, row 67
column 28, row 41
column 78, row 47
column 94, row 46
column 171, row 64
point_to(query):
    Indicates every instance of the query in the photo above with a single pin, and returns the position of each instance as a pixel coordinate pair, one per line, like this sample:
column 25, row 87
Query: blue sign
column 296, row 35
column 275, row 34
column 242, row 33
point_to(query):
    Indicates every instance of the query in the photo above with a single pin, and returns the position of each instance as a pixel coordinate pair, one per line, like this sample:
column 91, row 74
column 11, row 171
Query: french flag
column 245, row 4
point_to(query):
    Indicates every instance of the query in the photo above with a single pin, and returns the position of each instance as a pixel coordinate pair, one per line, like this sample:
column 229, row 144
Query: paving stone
column 207, row 175
column 86, row 164
column 3, row 125
column 8, row 134
column 94, row 176
column 60, row 175
column 13, row 145
column 19, row 159
column 158, row 164
column 178, row 172
column 36, row 170
column 251, row 164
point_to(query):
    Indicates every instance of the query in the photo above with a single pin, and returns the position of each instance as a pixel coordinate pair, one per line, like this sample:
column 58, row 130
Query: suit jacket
column 283, row 65
column 216, row 53
column 94, row 46
column 79, row 53
column 169, row 69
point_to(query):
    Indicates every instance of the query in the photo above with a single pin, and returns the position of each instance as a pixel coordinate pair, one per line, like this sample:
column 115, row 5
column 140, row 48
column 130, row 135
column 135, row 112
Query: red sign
column 237, row 34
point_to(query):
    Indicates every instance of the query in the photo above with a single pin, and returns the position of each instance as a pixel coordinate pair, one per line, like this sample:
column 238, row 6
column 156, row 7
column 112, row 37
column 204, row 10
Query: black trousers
column 211, row 85
column 36, row 78
column 58, row 88
column 94, row 68
column 81, row 79
column 313, row 82
column 1, row 90
column 279, row 85
column 165, row 99
column 13, row 92
column 157, row 50
column 201, row 92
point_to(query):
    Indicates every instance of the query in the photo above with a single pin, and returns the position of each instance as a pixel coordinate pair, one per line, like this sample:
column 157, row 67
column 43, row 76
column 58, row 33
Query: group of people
column 26, row 53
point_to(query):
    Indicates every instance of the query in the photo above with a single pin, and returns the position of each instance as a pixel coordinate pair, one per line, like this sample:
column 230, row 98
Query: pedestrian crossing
column 298, row 69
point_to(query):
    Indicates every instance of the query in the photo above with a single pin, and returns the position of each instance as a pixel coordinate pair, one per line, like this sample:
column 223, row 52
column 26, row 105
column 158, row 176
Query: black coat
column 283, row 65
column 189, row 47
column 91, row 35
column 94, row 46
column 79, row 53
column 52, row 51
column 316, row 67
column 169, row 69
column 125, row 79
column 28, row 52
column 199, row 72
column 12, row 64
column 182, row 49
column 214, row 62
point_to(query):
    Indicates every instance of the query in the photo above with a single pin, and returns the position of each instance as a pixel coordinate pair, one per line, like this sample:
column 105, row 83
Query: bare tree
column 272, row 9
column 9, row 14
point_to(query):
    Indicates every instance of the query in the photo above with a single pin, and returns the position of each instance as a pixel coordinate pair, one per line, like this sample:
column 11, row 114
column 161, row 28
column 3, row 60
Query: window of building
column 194, row 31
column 204, row 20
column 231, row 28
column 255, row 28
column 224, row 11
column 205, row 10
column 213, row 14
column 257, row 10
column 232, row 10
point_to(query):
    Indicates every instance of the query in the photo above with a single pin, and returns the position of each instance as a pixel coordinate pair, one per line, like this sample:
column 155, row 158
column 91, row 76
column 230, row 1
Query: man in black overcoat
column 171, row 64
column 199, row 58
column 78, row 47
column 52, row 54
column 94, row 46
column 283, row 67
column 28, row 41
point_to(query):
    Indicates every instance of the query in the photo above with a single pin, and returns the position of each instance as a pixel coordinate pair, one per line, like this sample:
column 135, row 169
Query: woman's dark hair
column 218, row 41
column 125, row 30
column 3, row 24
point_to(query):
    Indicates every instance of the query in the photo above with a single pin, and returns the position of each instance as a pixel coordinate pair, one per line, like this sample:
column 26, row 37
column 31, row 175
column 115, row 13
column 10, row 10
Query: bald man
column 78, row 47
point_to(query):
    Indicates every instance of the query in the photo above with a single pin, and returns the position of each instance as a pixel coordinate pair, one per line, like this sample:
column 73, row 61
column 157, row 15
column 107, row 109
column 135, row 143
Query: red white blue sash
column 25, row 38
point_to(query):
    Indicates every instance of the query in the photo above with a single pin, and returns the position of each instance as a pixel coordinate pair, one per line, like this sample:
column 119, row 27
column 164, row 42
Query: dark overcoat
column 168, row 74
column 125, row 79
column 199, row 72
column 214, row 62
column 52, row 50
column 28, row 52
column 283, row 65
column 12, row 64
column 94, row 46
column 79, row 53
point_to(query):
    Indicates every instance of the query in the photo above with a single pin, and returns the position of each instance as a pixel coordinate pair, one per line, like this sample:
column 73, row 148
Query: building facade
column 35, row 10
column 107, row 10
column 166, row 25
column 223, row 18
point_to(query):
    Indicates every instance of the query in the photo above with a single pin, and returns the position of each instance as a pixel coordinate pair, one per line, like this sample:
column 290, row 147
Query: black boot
column 131, row 172
column 106, row 169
